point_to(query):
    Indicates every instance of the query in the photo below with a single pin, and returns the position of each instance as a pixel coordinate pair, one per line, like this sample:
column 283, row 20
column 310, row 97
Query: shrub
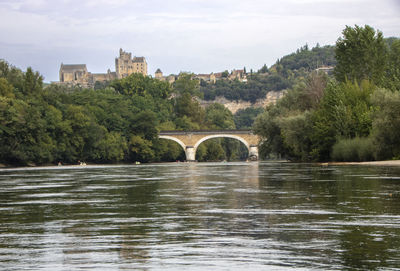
column 355, row 149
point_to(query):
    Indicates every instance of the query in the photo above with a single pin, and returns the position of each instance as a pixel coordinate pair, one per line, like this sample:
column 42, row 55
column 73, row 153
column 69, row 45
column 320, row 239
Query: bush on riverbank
column 355, row 149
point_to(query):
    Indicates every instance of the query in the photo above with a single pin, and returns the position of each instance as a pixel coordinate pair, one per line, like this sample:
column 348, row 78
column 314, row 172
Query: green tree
column 392, row 80
column 144, row 124
column 225, row 74
column 345, row 112
column 188, row 111
column 168, row 151
column 111, row 148
column 32, row 82
column 386, row 124
column 140, row 149
column 296, row 131
column 6, row 89
column 361, row 54
column 186, row 84
column 213, row 151
column 267, row 126
column 244, row 118
column 264, row 69
column 219, row 117
column 138, row 84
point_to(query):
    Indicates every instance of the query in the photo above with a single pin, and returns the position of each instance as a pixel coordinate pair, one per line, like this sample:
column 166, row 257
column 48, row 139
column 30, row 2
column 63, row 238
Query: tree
column 111, row 148
column 144, row 124
column 138, row 84
column 32, row 82
column 189, row 109
column 267, row 127
column 264, row 69
column 386, row 124
column 219, row 117
column 225, row 74
column 361, row 54
column 140, row 149
column 6, row 89
column 211, row 151
column 392, row 80
column 244, row 118
column 296, row 131
column 186, row 84
column 344, row 113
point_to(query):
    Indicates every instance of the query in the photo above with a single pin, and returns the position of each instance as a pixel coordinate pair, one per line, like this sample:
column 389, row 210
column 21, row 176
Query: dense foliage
column 354, row 117
column 117, row 123
column 282, row 75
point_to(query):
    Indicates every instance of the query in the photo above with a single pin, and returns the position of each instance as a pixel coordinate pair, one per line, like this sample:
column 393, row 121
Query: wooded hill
column 282, row 75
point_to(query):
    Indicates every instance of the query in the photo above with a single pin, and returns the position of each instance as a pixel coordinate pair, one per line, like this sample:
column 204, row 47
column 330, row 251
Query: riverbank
column 369, row 163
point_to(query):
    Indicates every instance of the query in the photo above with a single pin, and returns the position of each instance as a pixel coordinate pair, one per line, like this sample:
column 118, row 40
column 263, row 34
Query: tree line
column 116, row 123
column 354, row 116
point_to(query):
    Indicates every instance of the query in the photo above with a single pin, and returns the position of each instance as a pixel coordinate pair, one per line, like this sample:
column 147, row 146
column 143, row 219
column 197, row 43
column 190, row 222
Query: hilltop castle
column 125, row 64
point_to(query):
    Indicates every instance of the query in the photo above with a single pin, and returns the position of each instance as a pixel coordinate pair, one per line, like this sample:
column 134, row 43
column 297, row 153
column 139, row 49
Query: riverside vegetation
column 354, row 116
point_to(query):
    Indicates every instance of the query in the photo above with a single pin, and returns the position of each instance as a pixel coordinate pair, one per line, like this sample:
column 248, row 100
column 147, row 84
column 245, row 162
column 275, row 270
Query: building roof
column 73, row 67
column 158, row 71
column 139, row 59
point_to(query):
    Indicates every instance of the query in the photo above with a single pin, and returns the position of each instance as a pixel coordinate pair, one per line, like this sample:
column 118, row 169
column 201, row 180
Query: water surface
column 200, row 216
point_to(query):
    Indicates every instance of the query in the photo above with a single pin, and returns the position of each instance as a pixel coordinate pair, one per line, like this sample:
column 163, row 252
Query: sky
column 200, row 36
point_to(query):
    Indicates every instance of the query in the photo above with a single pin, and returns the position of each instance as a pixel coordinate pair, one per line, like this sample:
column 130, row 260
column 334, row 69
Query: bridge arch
column 173, row 139
column 241, row 139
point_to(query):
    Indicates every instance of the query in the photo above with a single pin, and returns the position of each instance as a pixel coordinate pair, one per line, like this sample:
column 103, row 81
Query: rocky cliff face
column 234, row 106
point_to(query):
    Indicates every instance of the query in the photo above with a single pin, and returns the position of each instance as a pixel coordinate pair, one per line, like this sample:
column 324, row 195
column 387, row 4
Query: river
column 200, row 216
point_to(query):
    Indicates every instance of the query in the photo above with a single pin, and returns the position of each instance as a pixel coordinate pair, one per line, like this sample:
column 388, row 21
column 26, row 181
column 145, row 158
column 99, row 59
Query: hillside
column 282, row 75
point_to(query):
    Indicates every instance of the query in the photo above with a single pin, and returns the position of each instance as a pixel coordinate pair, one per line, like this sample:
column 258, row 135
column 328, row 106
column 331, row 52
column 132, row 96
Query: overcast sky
column 200, row 36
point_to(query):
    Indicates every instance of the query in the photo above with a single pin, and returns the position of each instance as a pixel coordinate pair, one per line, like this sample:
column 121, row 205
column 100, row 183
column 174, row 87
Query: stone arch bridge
column 190, row 140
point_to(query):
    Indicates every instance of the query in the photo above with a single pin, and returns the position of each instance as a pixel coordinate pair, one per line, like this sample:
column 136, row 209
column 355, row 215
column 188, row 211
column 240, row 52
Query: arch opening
column 222, row 148
column 171, row 150
column 222, row 136
column 173, row 139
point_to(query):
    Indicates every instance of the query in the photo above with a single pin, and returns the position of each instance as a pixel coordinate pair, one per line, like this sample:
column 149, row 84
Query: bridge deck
column 207, row 132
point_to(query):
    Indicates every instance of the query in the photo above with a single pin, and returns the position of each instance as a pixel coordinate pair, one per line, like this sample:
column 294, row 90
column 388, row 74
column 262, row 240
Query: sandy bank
column 370, row 163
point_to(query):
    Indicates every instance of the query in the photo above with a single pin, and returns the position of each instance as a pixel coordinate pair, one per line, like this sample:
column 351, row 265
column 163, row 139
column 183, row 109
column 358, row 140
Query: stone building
column 125, row 65
column 202, row 76
column 102, row 77
column 73, row 73
column 237, row 74
column 159, row 74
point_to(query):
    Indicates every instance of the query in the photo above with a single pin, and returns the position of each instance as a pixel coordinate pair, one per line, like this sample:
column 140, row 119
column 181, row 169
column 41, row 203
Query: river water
column 200, row 216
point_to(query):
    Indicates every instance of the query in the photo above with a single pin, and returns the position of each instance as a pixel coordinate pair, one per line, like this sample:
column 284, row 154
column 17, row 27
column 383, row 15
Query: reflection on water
column 200, row 216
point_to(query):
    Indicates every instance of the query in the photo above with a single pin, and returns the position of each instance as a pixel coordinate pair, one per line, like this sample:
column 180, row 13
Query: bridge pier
column 253, row 152
column 190, row 154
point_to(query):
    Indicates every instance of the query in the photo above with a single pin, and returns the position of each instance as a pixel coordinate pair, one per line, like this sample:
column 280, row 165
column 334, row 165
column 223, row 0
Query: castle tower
column 125, row 65
column 159, row 74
